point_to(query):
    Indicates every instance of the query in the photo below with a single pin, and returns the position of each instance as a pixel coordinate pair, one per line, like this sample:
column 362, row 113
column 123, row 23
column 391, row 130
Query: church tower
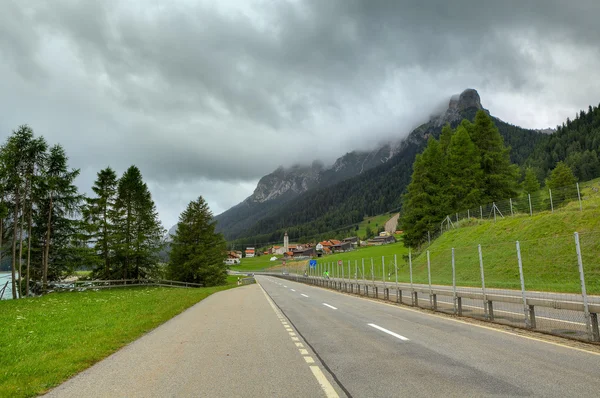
column 286, row 243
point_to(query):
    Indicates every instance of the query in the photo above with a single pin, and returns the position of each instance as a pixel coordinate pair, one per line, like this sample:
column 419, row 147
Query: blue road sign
column 313, row 263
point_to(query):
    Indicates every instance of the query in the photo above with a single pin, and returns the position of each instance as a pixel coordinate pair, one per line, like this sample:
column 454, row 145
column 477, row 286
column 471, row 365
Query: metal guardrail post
column 429, row 276
column 586, row 309
column 595, row 331
column 412, row 289
column 459, row 305
column 454, row 282
column 525, row 307
column 485, row 308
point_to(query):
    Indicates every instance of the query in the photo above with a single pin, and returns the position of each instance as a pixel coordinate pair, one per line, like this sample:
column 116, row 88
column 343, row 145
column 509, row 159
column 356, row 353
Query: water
column 6, row 277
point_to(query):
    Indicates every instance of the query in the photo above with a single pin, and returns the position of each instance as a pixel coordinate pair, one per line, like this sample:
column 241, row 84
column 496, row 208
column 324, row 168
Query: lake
column 6, row 277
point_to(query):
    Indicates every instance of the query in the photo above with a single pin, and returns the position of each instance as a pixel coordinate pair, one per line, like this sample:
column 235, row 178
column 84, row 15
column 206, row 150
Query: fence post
column 579, row 197
column 494, row 208
column 525, row 306
column 485, row 306
column 586, row 310
column 468, row 214
column 481, row 212
column 511, row 208
column 349, row 273
column 396, row 272
column 356, row 271
column 383, row 270
column 429, row 238
column 456, row 217
column 530, row 208
column 342, row 272
column 429, row 276
column 454, row 281
column 412, row 290
column 363, row 271
column 372, row 272
column 551, row 204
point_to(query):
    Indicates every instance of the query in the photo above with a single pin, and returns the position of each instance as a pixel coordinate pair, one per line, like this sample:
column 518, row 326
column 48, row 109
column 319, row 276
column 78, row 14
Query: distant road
column 380, row 350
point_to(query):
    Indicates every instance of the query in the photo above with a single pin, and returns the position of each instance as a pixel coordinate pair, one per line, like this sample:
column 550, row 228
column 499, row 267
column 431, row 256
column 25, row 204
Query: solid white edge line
column 330, row 306
column 322, row 380
column 388, row 332
column 302, row 294
column 292, row 290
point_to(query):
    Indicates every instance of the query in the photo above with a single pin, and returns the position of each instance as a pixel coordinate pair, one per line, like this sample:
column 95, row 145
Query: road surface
column 283, row 338
column 231, row 344
column 380, row 350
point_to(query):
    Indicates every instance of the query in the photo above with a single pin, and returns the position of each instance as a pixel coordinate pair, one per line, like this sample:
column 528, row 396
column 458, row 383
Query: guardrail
column 568, row 318
column 248, row 281
column 107, row 284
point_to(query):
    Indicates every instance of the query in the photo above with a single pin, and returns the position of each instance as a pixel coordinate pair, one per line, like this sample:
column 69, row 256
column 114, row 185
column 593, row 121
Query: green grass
column 255, row 263
column 547, row 247
column 374, row 222
column 46, row 340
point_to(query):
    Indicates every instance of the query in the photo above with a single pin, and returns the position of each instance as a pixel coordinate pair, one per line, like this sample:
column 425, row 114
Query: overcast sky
column 208, row 96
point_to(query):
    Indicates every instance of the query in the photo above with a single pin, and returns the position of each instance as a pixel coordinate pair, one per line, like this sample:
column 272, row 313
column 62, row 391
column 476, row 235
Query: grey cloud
column 202, row 91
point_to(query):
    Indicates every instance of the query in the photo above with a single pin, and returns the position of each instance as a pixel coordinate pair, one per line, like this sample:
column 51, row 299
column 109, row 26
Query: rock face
column 467, row 100
column 294, row 180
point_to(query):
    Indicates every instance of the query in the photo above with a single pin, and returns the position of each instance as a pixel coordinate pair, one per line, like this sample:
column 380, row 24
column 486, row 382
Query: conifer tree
column 530, row 184
column 138, row 231
column 464, row 171
column 562, row 183
column 100, row 215
column 197, row 252
column 500, row 176
column 426, row 202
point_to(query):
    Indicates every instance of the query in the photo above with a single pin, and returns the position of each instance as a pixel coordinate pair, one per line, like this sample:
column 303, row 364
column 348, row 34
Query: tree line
column 48, row 229
column 469, row 166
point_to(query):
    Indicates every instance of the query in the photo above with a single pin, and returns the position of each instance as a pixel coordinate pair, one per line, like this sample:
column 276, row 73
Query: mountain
column 283, row 185
column 372, row 191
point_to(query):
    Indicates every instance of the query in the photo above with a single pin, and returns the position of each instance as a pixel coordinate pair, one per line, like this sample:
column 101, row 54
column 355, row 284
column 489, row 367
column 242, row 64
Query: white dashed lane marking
column 388, row 332
column 330, row 306
column 302, row 294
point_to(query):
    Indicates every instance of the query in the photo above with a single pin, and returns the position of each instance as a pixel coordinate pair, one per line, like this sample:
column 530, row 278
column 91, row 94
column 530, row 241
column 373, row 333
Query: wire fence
column 551, row 284
column 576, row 197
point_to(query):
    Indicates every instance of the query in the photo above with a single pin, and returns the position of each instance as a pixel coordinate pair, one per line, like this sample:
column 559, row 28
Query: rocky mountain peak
column 468, row 99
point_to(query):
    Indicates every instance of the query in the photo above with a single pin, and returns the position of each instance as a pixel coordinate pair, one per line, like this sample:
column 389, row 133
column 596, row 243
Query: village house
column 381, row 240
column 250, row 252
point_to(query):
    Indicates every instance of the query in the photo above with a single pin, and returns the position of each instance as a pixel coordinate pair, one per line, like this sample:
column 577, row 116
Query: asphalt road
column 557, row 321
column 379, row 350
column 232, row 344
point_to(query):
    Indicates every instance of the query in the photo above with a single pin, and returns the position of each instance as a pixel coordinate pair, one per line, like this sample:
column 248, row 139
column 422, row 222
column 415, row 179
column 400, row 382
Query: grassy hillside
column 374, row 222
column 547, row 248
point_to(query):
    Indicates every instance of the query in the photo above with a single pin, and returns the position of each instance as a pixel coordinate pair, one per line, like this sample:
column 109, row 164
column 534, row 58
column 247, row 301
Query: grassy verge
column 547, row 245
column 46, row 340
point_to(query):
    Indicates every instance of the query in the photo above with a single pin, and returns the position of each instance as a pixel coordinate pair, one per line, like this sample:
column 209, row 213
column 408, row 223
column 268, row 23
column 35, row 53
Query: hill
column 377, row 190
column 547, row 248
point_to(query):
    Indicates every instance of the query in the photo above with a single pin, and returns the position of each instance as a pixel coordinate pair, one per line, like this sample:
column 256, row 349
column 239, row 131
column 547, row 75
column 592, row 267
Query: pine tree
column 500, row 176
column 59, row 205
column 197, row 252
column 426, row 202
column 138, row 231
column 562, row 182
column 464, row 171
column 531, row 184
column 100, row 215
column 446, row 137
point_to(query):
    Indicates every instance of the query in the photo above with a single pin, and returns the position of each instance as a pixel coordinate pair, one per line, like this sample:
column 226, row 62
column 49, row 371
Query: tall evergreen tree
column 138, row 230
column 464, row 171
column 197, row 252
column 562, row 183
column 530, row 184
column 500, row 176
column 100, row 214
column 426, row 202
column 60, row 204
